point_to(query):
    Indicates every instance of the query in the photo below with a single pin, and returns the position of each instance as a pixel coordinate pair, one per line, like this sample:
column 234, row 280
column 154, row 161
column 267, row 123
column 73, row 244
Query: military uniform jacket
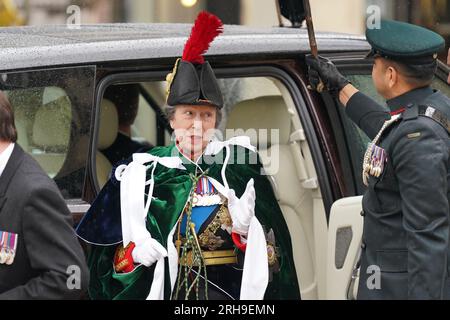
column 406, row 209
column 32, row 207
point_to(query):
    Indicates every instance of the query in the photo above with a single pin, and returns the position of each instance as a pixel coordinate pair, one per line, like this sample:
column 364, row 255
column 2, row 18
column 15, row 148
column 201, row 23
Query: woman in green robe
column 197, row 219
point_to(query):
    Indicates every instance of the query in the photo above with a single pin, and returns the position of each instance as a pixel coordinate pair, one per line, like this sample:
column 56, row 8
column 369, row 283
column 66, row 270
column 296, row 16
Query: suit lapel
column 11, row 167
column 2, row 202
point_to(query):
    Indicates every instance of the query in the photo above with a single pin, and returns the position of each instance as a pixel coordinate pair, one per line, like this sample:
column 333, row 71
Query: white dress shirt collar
column 4, row 157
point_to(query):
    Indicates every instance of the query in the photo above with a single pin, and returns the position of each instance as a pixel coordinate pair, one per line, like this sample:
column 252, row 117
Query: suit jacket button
column 362, row 213
column 363, row 245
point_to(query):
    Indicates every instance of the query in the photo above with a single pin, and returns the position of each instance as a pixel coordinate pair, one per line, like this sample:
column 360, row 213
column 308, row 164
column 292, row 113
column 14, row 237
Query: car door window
column 53, row 114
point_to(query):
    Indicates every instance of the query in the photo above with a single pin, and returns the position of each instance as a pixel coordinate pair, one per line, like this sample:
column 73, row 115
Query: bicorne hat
column 192, row 81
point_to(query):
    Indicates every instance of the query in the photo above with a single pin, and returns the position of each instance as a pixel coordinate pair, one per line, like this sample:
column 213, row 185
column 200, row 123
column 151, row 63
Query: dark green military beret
column 404, row 42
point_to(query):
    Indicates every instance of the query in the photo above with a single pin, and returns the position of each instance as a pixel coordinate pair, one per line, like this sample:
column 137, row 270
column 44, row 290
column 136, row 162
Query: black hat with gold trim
column 192, row 81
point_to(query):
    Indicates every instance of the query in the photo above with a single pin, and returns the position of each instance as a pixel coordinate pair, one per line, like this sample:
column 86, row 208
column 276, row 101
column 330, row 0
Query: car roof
column 56, row 45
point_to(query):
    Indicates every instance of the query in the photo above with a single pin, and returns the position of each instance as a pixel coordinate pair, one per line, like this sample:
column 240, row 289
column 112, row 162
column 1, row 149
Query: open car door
column 343, row 248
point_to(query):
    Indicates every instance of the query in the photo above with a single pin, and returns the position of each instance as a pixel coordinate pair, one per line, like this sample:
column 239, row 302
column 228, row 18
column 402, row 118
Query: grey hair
column 169, row 112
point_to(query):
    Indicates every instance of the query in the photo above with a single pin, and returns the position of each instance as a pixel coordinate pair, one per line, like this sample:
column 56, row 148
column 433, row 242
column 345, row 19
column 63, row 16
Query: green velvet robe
column 172, row 187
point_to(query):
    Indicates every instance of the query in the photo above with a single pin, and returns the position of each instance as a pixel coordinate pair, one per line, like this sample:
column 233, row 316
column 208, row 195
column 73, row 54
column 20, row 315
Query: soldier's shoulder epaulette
column 435, row 114
column 413, row 111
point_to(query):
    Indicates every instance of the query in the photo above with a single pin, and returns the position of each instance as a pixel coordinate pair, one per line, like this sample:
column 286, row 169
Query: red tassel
column 206, row 27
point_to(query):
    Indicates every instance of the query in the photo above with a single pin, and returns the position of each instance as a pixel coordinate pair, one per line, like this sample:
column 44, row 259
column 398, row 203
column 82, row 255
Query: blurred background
column 347, row 16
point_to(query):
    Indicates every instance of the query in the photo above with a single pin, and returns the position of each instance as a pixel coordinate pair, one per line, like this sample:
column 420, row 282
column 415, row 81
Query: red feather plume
column 206, row 27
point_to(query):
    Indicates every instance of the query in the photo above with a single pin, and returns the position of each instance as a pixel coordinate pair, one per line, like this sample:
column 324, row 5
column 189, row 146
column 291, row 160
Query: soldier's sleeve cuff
column 366, row 113
column 358, row 107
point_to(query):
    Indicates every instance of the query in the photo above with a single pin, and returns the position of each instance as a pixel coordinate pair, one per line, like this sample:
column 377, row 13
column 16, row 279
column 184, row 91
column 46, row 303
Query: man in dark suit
column 406, row 168
column 40, row 257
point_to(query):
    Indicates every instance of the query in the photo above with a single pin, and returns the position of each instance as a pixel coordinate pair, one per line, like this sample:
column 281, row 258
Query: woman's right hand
column 148, row 252
column 242, row 210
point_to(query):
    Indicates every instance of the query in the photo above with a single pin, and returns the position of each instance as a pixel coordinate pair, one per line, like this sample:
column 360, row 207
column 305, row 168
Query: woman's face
column 193, row 127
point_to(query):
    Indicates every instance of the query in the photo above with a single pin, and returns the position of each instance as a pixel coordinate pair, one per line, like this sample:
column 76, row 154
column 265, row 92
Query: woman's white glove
column 148, row 252
column 242, row 210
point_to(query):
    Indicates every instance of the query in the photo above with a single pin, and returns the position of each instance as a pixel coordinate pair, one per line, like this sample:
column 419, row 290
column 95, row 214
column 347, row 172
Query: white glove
column 242, row 210
column 148, row 252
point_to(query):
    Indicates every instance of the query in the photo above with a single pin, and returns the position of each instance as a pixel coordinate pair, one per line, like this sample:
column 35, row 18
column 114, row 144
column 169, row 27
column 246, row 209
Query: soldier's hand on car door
column 321, row 68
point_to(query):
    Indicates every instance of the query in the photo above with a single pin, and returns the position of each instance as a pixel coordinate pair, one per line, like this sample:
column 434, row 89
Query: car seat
column 107, row 134
column 51, row 134
column 287, row 176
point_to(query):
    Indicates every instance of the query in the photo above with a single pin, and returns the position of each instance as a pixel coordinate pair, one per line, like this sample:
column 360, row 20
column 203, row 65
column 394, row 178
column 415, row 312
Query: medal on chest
column 375, row 156
column 8, row 246
column 377, row 160
column 205, row 194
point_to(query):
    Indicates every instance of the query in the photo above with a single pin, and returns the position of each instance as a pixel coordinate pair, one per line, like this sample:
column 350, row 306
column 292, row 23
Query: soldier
column 201, row 217
column 406, row 166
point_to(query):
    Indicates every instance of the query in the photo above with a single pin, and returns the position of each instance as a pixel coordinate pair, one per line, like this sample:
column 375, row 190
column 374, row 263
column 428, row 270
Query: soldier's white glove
column 148, row 252
column 242, row 210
